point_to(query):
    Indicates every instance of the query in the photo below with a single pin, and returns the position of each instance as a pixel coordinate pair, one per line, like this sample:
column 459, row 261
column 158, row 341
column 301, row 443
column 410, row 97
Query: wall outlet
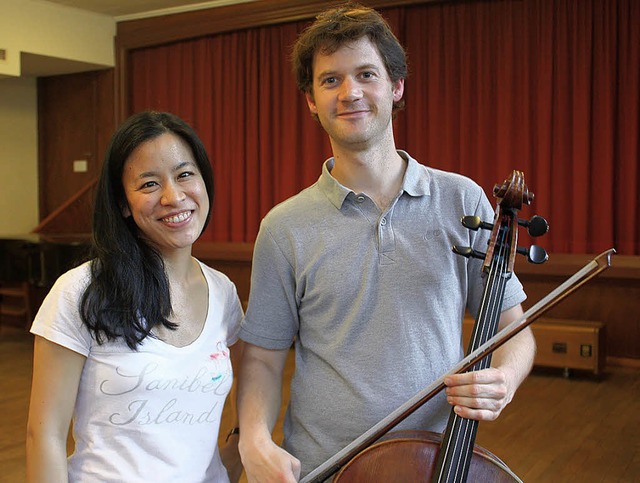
column 80, row 166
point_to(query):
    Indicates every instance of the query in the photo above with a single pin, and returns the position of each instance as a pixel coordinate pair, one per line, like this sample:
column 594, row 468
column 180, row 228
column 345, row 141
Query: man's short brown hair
column 335, row 27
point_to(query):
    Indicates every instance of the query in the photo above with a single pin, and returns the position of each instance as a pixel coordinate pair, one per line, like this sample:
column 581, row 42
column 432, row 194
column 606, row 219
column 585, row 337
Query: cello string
column 460, row 427
column 490, row 313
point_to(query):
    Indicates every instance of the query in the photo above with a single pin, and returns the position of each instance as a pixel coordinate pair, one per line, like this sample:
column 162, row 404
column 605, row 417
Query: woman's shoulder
column 75, row 279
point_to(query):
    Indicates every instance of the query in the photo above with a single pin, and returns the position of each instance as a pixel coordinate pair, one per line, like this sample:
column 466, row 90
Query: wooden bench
column 564, row 343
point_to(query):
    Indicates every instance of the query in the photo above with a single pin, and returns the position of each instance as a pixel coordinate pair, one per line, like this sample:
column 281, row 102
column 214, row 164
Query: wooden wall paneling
column 72, row 217
column 613, row 302
column 611, row 298
column 65, row 109
column 105, row 113
column 75, row 121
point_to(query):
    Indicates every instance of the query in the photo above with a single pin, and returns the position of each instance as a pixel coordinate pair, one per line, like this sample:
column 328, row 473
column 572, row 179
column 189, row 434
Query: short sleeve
column 58, row 319
column 272, row 315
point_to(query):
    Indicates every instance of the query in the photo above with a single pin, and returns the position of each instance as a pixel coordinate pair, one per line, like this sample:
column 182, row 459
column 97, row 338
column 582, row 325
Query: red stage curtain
column 550, row 88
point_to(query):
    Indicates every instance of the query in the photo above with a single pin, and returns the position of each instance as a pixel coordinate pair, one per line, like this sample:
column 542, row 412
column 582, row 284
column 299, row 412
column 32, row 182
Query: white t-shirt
column 151, row 414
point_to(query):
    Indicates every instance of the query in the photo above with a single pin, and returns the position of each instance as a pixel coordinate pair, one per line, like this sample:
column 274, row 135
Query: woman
column 134, row 345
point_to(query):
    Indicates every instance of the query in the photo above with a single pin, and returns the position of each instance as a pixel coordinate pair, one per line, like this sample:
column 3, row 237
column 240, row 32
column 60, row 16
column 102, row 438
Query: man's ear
column 398, row 90
column 311, row 103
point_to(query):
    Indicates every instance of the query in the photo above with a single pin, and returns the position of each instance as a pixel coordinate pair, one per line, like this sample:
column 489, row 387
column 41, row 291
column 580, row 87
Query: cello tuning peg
column 536, row 226
column 474, row 222
column 534, row 253
column 468, row 252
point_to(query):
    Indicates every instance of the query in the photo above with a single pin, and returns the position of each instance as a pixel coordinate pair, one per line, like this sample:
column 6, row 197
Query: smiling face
column 165, row 193
column 353, row 95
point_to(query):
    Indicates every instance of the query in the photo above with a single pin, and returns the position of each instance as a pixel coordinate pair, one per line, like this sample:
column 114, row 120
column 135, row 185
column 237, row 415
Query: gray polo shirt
column 374, row 301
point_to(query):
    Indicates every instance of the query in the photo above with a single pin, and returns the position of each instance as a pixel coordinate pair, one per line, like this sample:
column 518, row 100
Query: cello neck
column 459, row 437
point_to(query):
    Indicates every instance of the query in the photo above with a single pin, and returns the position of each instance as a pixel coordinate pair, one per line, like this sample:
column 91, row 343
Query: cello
column 415, row 455
column 454, row 457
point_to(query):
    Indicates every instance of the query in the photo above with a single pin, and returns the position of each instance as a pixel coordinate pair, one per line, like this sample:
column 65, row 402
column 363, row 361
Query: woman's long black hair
column 128, row 294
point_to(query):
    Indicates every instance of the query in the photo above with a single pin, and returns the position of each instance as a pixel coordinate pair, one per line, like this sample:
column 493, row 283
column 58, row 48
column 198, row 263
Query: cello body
column 411, row 456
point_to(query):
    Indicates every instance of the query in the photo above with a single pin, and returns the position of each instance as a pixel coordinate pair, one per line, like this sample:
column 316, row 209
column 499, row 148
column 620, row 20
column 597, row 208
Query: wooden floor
column 556, row 430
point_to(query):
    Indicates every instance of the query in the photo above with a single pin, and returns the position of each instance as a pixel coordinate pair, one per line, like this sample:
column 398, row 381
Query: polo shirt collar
column 415, row 183
column 416, row 177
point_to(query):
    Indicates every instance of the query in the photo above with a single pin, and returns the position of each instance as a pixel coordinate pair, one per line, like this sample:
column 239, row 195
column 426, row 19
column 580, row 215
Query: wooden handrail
column 72, row 216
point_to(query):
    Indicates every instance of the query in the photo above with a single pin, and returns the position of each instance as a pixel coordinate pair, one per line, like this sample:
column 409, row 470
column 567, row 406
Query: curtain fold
column 547, row 87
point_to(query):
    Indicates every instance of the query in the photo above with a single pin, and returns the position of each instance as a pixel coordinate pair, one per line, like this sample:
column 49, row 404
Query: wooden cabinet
column 570, row 344
column 564, row 343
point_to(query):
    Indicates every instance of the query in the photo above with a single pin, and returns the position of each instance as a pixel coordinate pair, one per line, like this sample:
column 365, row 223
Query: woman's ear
column 126, row 212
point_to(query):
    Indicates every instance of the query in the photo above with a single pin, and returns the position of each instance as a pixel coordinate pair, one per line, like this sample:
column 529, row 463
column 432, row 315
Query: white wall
column 59, row 32
column 18, row 155
column 52, row 33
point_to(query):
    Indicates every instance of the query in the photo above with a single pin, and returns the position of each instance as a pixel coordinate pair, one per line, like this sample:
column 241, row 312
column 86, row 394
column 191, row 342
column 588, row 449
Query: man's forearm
column 260, row 390
column 516, row 356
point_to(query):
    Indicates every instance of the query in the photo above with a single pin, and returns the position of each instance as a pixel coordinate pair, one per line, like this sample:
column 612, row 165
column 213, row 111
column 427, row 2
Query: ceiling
column 33, row 65
column 130, row 9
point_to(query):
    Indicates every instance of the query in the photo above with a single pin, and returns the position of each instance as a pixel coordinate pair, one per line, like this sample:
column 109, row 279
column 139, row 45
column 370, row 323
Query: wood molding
column 233, row 252
column 133, row 34
column 566, row 264
column 623, row 362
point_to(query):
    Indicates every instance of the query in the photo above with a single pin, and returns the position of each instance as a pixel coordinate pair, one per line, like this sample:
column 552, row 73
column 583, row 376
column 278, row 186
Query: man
column 358, row 270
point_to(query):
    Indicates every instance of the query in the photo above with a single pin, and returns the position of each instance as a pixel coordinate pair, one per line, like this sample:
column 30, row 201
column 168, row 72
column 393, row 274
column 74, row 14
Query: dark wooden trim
column 563, row 265
column 133, row 34
column 223, row 251
column 623, row 362
column 121, row 87
column 624, row 267
column 610, row 298
column 41, row 150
